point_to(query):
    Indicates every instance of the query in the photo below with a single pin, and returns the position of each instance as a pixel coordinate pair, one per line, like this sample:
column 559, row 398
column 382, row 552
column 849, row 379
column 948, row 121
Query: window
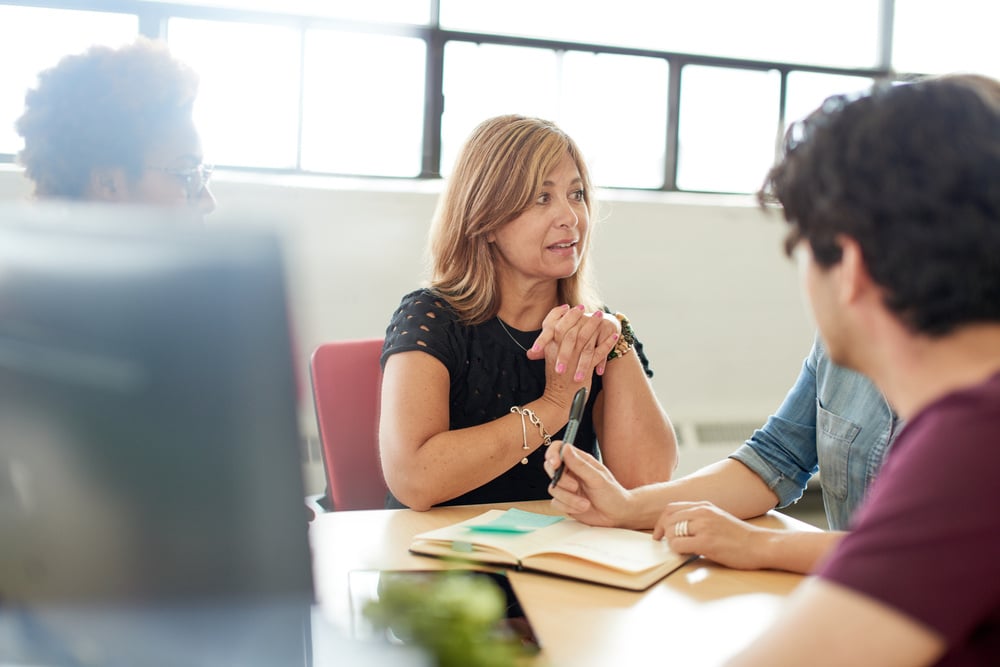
column 247, row 107
column 728, row 128
column 381, row 136
column 807, row 90
column 659, row 94
column 24, row 54
column 936, row 38
column 620, row 125
column 506, row 79
column 397, row 11
column 841, row 34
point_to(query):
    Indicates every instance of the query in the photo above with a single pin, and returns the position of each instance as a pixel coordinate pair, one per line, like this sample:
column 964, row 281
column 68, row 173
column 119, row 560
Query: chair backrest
column 346, row 384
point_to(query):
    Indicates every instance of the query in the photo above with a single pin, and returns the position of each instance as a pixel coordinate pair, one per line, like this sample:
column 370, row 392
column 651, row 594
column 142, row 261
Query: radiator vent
column 313, row 452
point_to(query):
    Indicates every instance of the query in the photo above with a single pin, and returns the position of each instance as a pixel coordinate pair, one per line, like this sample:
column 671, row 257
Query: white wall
column 703, row 280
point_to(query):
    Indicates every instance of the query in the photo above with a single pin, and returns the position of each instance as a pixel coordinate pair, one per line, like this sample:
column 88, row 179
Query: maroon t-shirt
column 927, row 540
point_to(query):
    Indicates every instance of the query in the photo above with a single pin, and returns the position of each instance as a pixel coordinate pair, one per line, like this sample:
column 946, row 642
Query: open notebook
column 555, row 545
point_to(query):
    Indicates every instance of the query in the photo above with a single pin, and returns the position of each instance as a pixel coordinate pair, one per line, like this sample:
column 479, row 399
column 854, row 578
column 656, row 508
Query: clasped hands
column 576, row 341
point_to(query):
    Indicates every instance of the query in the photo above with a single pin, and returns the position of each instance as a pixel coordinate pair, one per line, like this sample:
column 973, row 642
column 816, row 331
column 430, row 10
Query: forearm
column 638, row 443
column 794, row 550
column 728, row 484
column 451, row 463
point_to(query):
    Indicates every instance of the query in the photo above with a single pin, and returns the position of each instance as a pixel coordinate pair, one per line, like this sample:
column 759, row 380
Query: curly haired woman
column 115, row 125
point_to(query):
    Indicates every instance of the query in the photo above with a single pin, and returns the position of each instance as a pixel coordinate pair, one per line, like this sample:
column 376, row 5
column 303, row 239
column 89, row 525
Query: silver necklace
column 510, row 335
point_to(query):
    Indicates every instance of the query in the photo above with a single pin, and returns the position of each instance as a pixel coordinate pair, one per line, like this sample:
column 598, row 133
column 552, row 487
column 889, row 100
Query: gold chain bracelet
column 535, row 421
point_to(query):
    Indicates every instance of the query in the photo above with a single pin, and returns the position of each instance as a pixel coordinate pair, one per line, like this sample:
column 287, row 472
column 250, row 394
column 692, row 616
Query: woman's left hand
column 702, row 528
column 583, row 340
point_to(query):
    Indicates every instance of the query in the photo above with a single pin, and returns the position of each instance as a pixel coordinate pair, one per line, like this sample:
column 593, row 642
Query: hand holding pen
column 575, row 415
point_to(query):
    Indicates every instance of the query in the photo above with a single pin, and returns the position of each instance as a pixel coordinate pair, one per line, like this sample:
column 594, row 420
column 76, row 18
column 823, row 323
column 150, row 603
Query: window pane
column 247, row 108
column 728, row 128
column 619, row 126
column 482, row 81
column 391, row 11
column 579, row 91
column 363, row 104
column 783, row 30
column 807, row 90
column 937, row 37
column 35, row 39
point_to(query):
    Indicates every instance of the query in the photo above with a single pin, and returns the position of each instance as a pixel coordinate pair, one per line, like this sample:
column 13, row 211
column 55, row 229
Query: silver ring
column 681, row 529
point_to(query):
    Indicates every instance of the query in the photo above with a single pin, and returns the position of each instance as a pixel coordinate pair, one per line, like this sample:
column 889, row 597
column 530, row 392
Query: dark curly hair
column 101, row 108
column 912, row 173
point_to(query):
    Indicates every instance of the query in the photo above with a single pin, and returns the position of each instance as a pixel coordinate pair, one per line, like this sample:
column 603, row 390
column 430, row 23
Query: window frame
column 153, row 19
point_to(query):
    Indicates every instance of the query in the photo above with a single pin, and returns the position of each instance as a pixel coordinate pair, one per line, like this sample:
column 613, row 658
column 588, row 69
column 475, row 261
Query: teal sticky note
column 516, row 521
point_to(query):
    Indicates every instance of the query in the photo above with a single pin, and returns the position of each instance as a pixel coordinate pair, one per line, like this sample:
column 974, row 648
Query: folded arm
column 424, row 462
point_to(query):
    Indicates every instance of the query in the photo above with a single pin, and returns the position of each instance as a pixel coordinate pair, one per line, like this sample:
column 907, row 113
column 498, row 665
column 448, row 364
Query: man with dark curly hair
column 893, row 203
column 115, row 125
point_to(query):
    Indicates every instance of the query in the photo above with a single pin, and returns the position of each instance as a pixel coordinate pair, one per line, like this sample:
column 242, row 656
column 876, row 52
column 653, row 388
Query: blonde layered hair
column 497, row 177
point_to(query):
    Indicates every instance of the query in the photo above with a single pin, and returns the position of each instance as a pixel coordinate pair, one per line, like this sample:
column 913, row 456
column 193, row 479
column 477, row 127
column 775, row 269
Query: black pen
column 575, row 415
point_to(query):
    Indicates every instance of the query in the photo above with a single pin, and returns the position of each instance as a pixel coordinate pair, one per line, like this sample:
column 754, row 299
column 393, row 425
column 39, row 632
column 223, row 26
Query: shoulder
column 423, row 321
column 849, row 393
column 422, row 309
column 425, row 303
column 944, row 459
column 968, row 419
column 926, row 506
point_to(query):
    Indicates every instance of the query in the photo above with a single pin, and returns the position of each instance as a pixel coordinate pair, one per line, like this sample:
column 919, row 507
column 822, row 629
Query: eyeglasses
column 195, row 179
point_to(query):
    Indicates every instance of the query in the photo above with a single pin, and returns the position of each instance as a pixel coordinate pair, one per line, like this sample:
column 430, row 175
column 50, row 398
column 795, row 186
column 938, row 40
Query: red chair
column 346, row 385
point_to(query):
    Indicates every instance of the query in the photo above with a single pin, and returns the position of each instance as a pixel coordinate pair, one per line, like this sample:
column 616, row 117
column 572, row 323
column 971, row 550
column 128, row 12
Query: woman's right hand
column 574, row 344
column 586, row 491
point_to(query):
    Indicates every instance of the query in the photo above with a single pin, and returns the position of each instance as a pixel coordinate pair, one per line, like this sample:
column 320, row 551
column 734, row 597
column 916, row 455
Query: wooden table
column 699, row 615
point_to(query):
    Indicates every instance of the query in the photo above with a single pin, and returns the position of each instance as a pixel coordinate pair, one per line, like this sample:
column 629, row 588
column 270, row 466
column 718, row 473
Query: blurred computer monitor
column 149, row 449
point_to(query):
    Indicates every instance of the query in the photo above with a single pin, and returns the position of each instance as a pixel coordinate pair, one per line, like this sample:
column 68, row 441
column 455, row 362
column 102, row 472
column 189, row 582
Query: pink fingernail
column 599, row 313
column 578, row 377
column 580, row 307
column 600, row 369
column 534, row 348
column 615, row 336
column 564, row 306
column 560, row 367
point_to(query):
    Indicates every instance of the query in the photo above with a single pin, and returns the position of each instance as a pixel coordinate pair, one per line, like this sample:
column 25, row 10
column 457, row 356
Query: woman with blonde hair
column 480, row 367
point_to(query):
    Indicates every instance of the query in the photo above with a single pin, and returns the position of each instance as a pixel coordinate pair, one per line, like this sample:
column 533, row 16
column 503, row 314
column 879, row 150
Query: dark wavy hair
column 101, row 108
column 912, row 173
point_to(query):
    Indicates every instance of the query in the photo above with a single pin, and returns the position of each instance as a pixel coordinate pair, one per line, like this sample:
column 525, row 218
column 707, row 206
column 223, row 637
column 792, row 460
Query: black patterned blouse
column 489, row 373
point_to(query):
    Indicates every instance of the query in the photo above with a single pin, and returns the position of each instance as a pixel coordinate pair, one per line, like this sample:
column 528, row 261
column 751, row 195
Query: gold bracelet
column 533, row 418
column 625, row 341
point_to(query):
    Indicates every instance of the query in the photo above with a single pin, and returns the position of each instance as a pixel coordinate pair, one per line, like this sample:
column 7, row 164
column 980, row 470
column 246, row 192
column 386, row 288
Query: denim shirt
column 833, row 420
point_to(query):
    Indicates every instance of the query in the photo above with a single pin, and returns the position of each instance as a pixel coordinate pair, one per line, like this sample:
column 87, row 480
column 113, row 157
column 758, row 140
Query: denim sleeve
column 783, row 451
